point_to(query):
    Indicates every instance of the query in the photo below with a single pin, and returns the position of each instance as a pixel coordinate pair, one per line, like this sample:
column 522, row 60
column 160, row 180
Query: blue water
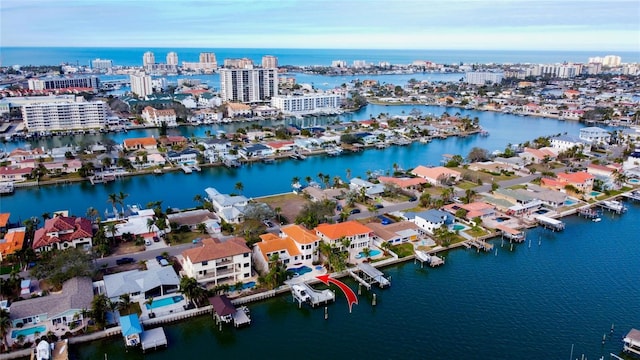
column 300, row 270
column 532, row 303
column 165, row 302
column 133, row 56
column 29, row 331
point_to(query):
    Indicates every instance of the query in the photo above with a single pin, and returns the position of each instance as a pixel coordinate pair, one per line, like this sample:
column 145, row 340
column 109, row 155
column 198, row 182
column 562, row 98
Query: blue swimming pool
column 247, row 285
column 372, row 253
column 595, row 193
column 30, row 331
column 300, row 270
column 502, row 219
column 165, row 302
column 570, row 202
column 458, row 227
column 633, row 181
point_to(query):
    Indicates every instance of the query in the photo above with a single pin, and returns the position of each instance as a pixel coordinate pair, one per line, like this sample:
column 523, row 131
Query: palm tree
column 5, row 325
column 111, row 229
column 100, row 305
column 346, row 243
column 150, row 223
column 308, row 179
column 92, row 213
column 149, row 302
column 188, row 287
column 125, row 302
column 239, row 186
column 367, row 253
column 198, row 198
column 386, row 246
column 202, row 228
column 295, row 181
column 469, row 194
column 121, row 197
column 348, row 174
column 278, row 210
column 113, row 199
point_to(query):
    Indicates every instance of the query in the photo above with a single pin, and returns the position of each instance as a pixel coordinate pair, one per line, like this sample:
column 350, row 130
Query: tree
column 124, row 303
column 202, row 228
column 100, row 305
column 190, row 288
column 469, row 194
column 239, row 186
column 149, row 302
column 386, row 246
column 113, row 200
column 5, row 325
column 121, row 197
column 348, row 174
column 59, row 266
column 477, row 154
column 346, row 243
column 367, row 253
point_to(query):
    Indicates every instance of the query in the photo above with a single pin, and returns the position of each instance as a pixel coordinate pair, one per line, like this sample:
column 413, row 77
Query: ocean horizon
column 132, row 56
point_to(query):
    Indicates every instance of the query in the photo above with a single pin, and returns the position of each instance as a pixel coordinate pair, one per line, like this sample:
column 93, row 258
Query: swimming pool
column 247, row 285
column 372, row 253
column 165, row 302
column 502, row 219
column 633, row 181
column 458, row 227
column 595, row 193
column 541, row 211
column 570, row 202
column 300, row 270
column 30, row 331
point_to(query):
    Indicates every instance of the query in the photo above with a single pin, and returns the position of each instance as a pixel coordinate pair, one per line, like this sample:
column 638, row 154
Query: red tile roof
column 212, row 250
column 80, row 229
column 348, row 228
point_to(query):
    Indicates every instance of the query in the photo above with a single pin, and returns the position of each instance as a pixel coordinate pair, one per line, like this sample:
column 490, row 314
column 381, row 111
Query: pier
column 303, row 293
column 480, row 244
column 225, row 312
column 550, row 223
column 511, row 234
column 634, row 195
column 368, row 276
column 588, row 212
column 186, row 169
column 632, row 342
column 431, row 260
column 613, row 205
column 153, row 339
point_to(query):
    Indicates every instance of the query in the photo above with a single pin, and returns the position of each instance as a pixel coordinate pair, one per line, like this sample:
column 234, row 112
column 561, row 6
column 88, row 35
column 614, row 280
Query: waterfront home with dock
column 430, row 220
column 333, row 234
column 225, row 312
column 437, row 175
column 63, row 232
column 230, row 208
column 218, row 262
column 139, row 284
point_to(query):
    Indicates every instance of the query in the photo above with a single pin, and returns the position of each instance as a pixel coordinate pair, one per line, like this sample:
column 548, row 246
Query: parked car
column 268, row 223
column 378, row 206
column 125, row 260
column 354, row 211
column 156, row 239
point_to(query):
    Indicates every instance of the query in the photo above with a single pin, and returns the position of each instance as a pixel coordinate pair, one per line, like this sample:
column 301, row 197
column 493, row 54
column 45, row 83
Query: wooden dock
column 431, row 259
column 368, row 275
column 511, row 234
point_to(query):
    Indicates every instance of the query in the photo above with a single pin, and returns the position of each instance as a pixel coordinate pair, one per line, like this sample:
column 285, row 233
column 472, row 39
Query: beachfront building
column 269, row 62
column 63, row 232
column 430, row 220
column 139, row 284
column 218, row 262
column 56, row 309
column 333, row 234
column 248, row 85
column 437, row 175
column 141, row 84
column 595, row 135
column 157, row 117
column 230, row 208
column 89, row 83
column 172, row 58
column 101, row 64
column 78, row 115
column 307, row 103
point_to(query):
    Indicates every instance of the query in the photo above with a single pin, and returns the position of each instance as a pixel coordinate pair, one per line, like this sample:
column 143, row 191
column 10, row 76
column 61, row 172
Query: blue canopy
column 130, row 325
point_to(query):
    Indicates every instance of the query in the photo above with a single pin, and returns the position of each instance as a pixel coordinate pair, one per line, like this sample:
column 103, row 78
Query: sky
column 352, row 24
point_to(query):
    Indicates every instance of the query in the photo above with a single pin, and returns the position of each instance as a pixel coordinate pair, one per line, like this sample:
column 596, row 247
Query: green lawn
column 403, row 250
column 186, row 237
column 6, row 269
column 477, row 232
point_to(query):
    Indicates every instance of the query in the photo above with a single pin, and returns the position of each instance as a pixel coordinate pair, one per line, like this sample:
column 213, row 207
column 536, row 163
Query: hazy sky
column 366, row 24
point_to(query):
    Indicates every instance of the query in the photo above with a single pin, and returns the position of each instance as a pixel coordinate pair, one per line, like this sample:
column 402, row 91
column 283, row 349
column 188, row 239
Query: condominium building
column 483, row 77
column 172, row 58
column 64, row 83
column 248, row 85
column 141, row 84
column 243, row 63
column 101, row 64
column 339, row 63
column 208, row 57
column 64, row 116
column 207, row 63
column 148, row 59
column 306, row 104
column 269, row 62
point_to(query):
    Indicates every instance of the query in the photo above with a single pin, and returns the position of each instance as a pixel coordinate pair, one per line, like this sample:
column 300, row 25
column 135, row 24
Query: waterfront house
column 140, row 284
column 631, row 164
column 395, row 233
column 170, row 141
column 15, row 174
column 18, row 155
column 537, row 156
column 371, row 190
column 230, row 208
column 473, row 210
column 62, row 308
column 63, row 232
column 272, row 245
column 192, row 218
column 157, row 117
column 234, row 110
column 333, row 234
column 549, row 197
column 405, row 183
column 255, row 150
column 13, row 241
column 437, row 175
column 151, row 160
column 146, row 143
column 187, row 156
column 565, row 142
column 306, row 240
column 430, row 220
column 4, row 221
column 218, row 262
column 281, row 146
column 317, row 194
column 595, row 135
column 137, row 223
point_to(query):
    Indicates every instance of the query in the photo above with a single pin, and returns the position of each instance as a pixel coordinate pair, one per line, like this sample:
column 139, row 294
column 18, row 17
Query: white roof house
column 141, row 284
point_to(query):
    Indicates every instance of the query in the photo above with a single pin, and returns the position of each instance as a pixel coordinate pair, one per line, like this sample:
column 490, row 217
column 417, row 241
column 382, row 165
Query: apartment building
column 64, row 116
column 248, row 85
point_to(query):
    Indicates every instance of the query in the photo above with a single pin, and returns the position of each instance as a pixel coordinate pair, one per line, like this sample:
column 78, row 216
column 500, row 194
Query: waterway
column 564, row 289
column 178, row 189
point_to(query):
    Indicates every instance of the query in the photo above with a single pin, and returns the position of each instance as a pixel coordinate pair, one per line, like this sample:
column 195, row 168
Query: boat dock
column 613, row 205
column 225, row 312
column 186, row 169
column 588, row 212
column 511, row 234
column 550, row 223
column 632, row 342
column 6, row 187
column 431, row 260
column 368, row 276
column 634, row 195
column 153, row 339
column 480, row 244
column 101, row 179
column 302, row 292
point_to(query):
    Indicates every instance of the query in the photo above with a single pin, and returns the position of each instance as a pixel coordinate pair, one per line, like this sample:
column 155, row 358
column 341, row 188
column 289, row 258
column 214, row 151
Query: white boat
column 6, row 187
column 596, row 219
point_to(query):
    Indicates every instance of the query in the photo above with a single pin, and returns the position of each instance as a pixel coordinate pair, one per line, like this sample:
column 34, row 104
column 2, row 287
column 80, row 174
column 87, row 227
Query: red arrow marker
column 348, row 293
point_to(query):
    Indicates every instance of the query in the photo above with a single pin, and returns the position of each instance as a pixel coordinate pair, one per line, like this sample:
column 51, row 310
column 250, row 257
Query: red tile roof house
column 474, row 209
column 436, row 175
column 582, row 180
column 63, row 232
column 537, row 156
column 403, row 183
column 359, row 235
column 15, row 175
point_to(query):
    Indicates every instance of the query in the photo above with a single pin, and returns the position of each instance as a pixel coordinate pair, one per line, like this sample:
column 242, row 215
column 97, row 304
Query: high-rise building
column 207, row 63
column 248, row 85
column 483, row 77
column 101, row 64
column 64, row 116
column 148, row 59
column 611, row 60
column 141, row 84
column 208, row 58
column 172, row 58
column 269, row 62
column 307, row 104
column 64, row 83
column 243, row 63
